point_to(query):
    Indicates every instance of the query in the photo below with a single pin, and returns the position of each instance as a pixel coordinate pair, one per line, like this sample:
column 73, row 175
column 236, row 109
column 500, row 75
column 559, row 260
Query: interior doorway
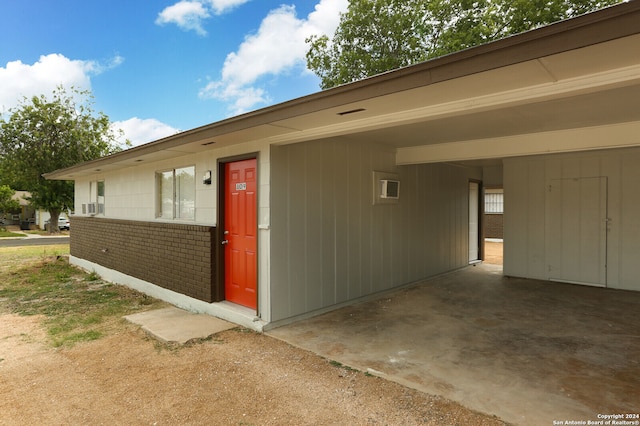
column 493, row 225
column 475, row 229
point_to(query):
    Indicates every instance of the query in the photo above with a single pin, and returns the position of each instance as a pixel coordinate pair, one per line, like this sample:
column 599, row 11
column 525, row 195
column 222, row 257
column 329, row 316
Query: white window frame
column 494, row 201
column 96, row 198
column 175, row 202
column 100, row 199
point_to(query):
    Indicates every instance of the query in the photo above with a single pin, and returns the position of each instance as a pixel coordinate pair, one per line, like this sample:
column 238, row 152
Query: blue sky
column 158, row 67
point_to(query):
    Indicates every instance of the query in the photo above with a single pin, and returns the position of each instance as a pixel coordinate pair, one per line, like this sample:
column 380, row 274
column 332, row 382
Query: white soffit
column 603, row 66
column 571, row 140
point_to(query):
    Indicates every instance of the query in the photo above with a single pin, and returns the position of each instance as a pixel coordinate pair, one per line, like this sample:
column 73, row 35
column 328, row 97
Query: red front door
column 240, row 227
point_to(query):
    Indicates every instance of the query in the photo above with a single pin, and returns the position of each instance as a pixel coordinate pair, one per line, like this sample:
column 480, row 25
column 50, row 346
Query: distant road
column 33, row 241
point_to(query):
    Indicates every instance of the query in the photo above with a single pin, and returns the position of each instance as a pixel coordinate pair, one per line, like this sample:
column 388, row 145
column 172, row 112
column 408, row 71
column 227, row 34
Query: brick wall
column 177, row 257
column 493, row 224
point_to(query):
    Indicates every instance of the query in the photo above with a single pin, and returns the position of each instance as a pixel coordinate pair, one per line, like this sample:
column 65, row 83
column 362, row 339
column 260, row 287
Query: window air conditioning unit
column 386, row 188
column 389, row 189
column 92, row 208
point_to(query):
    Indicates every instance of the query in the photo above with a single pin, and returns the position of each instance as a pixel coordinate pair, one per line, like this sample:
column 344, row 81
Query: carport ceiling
column 617, row 105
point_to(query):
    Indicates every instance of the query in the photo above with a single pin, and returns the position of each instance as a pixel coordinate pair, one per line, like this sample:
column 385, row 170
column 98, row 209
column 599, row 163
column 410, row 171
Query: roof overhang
column 578, row 73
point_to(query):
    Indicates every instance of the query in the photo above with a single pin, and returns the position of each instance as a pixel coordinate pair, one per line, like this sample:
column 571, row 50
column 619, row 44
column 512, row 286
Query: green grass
column 338, row 364
column 5, row 234
column 75, row 306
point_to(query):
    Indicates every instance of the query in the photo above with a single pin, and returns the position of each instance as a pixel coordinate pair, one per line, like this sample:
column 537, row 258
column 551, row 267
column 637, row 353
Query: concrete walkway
column 530, row 352
column 173, row 325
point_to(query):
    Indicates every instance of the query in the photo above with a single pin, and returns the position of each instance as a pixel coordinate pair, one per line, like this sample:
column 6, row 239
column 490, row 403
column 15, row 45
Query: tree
column 43, row 135
column 7, row 204
column 375, row 36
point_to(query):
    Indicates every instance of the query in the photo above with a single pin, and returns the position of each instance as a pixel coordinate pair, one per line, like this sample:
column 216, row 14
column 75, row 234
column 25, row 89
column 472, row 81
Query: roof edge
column 604, row 25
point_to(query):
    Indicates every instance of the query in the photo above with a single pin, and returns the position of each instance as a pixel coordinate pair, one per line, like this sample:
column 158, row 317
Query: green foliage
column 46, row 134
column 375, row 36
column 7, row 204
column 92, row 276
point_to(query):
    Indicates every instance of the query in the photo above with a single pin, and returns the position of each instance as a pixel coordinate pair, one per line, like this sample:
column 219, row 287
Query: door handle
column 225, row 242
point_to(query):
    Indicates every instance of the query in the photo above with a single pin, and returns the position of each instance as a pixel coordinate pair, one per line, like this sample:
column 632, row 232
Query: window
column 176, row 194
column 96, row 198
column 494, row 201
column 100, row 198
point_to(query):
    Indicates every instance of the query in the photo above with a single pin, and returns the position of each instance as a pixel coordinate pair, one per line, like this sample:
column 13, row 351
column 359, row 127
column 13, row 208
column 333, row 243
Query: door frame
column 219, row 288
column 480, row 220
column 603, row 223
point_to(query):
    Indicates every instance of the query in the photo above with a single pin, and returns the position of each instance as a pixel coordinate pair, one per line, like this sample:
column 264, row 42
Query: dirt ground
column 493, row 252
column 236, row 377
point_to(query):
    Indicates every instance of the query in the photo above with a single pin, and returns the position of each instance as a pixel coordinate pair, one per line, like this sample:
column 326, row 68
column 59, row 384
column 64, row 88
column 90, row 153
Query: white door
column 576, row 237
column 474, row 222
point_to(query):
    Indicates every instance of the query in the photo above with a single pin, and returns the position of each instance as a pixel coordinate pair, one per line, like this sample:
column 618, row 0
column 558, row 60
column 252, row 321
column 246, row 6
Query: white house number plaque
column 241, row 186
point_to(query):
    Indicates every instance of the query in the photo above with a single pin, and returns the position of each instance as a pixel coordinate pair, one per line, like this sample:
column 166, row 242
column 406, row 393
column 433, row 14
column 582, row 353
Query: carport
column 528, row 351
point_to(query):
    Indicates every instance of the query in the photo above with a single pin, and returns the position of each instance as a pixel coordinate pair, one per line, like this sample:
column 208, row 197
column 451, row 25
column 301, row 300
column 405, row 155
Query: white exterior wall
column 130, row 195
column 525, row 184
column 130, row 192
column 331, row 245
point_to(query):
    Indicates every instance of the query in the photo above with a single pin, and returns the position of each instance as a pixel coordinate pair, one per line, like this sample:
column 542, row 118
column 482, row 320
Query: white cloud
column 240, row 99
column 190, row 14
column 187, row 15
column 221, row 6
column 99, row 68
column 277, row 47
column 326, row 17
column 19, row 80
column 140, row 131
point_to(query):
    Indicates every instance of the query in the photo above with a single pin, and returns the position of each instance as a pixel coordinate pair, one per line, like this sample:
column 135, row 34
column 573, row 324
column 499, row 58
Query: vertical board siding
column 298, row 225
column 338, row 245
column 627, row 220
column 355, row 228
column 526, row 183
column 279, row 244
column 326, row 226
column 313, row 267
column 343, row 202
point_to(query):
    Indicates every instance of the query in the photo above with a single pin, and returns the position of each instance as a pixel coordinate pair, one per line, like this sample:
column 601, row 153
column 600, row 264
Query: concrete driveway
column 528, row 351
